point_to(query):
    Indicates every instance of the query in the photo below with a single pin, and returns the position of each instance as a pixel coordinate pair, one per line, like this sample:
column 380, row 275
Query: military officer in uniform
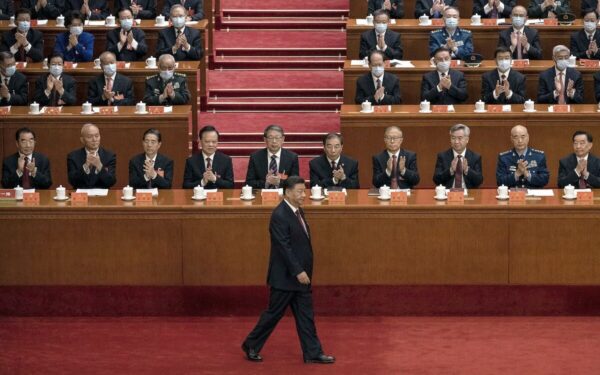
column 167, row 87
column 522, row 166
column 457, row 40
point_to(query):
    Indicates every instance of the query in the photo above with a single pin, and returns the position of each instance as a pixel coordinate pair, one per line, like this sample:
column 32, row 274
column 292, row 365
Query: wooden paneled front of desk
column 427, row 134
column 176, row 241
column 410, row 79
column 57, row 135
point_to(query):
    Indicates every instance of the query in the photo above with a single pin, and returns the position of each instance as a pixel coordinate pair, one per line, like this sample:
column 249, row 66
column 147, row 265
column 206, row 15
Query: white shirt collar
column 337, row 161
column 28, row 156
column 583, row 158
column 204, row 156
column 463, row 154
column 397, row 153
column 152, row 158
column 590, row 35
column 380, row 78
column 111, row 77
column 507, row 73
column 87, row 152
column 277, row 154
column 289, row 204
column 522, row 30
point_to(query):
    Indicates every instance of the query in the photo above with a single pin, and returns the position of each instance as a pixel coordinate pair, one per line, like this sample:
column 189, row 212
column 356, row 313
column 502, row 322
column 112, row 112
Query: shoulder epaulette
column 505, row 152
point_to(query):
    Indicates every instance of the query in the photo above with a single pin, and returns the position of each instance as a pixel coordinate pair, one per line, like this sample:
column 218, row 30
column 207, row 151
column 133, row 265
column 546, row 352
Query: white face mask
column 380, row 28
column 503, row 65
column 562, row 64
column 127, row 24
column 589, row 26
column 56, row 70
column 110, row 69
column 23, row 26
column 451, row 23
column 178, row 22
column 443, row 66
column 377, row 71
column 518, row 22
column 76, row 30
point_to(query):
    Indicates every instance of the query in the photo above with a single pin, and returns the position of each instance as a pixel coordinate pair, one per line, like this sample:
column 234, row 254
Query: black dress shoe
column 322, row 359
column 251, row 354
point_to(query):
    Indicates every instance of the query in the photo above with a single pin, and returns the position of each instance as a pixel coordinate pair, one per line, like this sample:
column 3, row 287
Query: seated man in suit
column 493, row 8
column 376, row 87
column 597, row 86
column 194, row 9
column 91, row 9
column 128, row 43
column 592, row 5
column 381, row 39
column 26, row 168
column 110, row 87
column 55, row 88
column 13, row 84
column 150, row 169
column 523, row 41
column 584, row 43
column 75, row 45
column 332, row 169
column 444, row 85
column 44, row 9
column 210, row 168
column 580, row 169
column 91, row 166
column 395, row 8
column 182, row 42
column 522, row 166
column 395, row 167
column 140, row 9
column 270, row 167
column 458, row 167
column 7, row 10
column 503, row 85
column 432, row 8
column 457, row 40
column 167, row 87
column 560, row 84
column 25, row 43
column 547, row 8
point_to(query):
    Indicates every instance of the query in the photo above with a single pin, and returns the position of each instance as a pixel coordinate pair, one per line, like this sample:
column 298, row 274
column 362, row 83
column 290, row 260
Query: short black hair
column 292, row 181
column 587, row 135
column 5, row 56
column 56, row 54
column 380, row 12
column 23, row 130
column 328, row 136
column 124, row 9
column 588, row 11
column 206, row 129
column 501, row 49
column 154, row 131
column 22, row 11
column 74, row 15
column 376, row 52
column 274, row 127
column 441, row 49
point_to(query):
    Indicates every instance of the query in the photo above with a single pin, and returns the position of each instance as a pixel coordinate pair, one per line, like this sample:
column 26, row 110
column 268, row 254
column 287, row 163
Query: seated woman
column 75, row 45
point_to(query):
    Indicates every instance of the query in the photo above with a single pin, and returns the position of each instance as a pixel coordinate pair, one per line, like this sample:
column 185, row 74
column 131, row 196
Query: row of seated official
column 108, row 88
column 127, row 42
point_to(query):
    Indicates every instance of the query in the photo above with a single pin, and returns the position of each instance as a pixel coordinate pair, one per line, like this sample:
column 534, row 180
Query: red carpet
column 531, row 346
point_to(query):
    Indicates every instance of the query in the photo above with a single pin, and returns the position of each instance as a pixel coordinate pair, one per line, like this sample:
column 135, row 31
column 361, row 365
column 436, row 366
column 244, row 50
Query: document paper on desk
column 153, row 191
column 359, row 63
column 401, row 63
column 94, row 192
column 540, row 192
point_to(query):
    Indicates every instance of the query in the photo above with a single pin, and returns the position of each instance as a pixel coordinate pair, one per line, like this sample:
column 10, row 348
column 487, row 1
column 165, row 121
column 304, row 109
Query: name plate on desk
column 69, row 65
column 516, row 197
column 31, row 198
column 213, row 197
column 495, row 108
column 586, row 63
column 437, row 22
column 79, row 198
column 439, row 108
column 270, row 197
column 550, row 22
column 143, row 197
column 53, row 110
column 520, row 63
column 585, row 196
column 7, row 193
column 561, row 108
column 336, row 197
column 399, row 197
column 107, row 110
column 382, row 109
column 456, row 197
column 489, row 22
column 4, row 110
column 153, row 109
column 121, row 64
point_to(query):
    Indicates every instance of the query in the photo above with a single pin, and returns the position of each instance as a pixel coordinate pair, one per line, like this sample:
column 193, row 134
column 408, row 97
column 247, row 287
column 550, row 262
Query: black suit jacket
column 19, row 90
column 368, row 43
column 42, row 179
column 53, row 9
column 546, row 86
column 397, row 10
column 535, row 11
column 166, row 39
column 567, row 175
column 258, row 167
column 112, row 41
column 7, row 9
column 99, row 8
column 136, row 172
column 34, row 37
column 588, row 5
column 411, row 175
column 580, row 44
column 457, row 93
column 291, row 250
column 478, row 6
column 597, row 86
column 517, row 84
column 535, row 48
column 105, row 179
column 424, row 7
column 442, row 175
column 148, row 11
column 365, row 89
column 69, row 96
column 195, row 6
column 122, row 85
column 321, row 172
column 222, row 166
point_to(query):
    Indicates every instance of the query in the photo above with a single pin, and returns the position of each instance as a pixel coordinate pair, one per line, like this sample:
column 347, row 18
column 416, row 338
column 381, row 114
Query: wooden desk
column 427, row 134
column 415, row 38
column 176, row 241
column 410, row 79
column 57, row 135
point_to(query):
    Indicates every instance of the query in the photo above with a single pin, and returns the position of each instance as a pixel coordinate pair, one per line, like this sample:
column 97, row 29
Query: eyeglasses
column 392, row 139
column 276, row 139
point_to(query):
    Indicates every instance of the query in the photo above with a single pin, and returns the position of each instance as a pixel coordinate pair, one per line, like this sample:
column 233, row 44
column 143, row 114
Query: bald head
column 90, row 137
column 519, row 137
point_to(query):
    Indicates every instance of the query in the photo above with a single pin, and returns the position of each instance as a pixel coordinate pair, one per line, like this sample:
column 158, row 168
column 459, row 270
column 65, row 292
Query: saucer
column 384, row 199
column 127, row 199
column 476, row 24
column 151, row 67
column 530, row 110
column 440, row 198
column 569, row 198
column 248, row 199
column 198, row 199
column 422, row 111
column 480, row 110
column 87, row 113
column 35, row 113
column 363, row 111
column 60, row 199
column 502, row 198
column 317, row 198
column 141, row 113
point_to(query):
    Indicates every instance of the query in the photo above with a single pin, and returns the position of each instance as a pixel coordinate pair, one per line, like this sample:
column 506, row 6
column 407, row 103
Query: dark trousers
column 302, row 307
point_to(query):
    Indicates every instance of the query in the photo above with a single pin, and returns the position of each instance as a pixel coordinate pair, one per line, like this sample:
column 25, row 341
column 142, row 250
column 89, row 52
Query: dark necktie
column 54, row 98
column 582, row 182
column 378, row 84
column 26, row 180
column 494, row 12
column 502, row 79
column 458, row 173
column 272, row 170
column 394, row 183
column 208, row 163
column 301, row 220
column 333, row 165
column 22, row 54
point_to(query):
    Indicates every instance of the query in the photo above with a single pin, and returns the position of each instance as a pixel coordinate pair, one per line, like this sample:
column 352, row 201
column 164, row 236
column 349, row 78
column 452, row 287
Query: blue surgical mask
column 178, row 22
column 503, row 65
column 562, row 64
column 127, row 24
column 518, row 22
column 443, row 66
column 76, row 30
column 589, row 26
column 23, row 26
column 377, row 71
column 56, row 70
column 109, row 69
column 166, row 74
column 10, row 71
column 451, row 23
column 380, row 28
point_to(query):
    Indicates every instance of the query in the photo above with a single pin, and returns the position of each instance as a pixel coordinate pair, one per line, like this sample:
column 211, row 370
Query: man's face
column 6, row 64
column 376, row 60
column 581, row 146
column 177, row 12
column 561, row 55
column 274, row 140
column 451, row 13
column 393, row 140
column 590, row 17
column 56, row 60
column 442, row 56
column 520, row 138
column 459, row 140
column 333, row 148
column 23, row 17
column 503, row 56
column 519, row 11
column 382, row 18
column 91, row 138
column 209, row 142
column 76, row 22
column 108, row 59
column 166, row 64
column 296, row 195
column 151, row 144
column 26, row 143
column 125, row 15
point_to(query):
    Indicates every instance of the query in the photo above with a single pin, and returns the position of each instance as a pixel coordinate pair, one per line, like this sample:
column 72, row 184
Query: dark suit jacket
column 442, row 175
column 35, row 38
column 121, row 85
column 517, row 84
column 291, row 250
column 580, row 44
column 42, row 179
column 222, row 166
column 112, row 41
column 321, row 172
column 53, row 9
column 192, row 6
column 19, row 90
column 588, row 5
column 535, row 48
column 534, row 10
column 69, row 96
column 365, row 89
column 567, row 175
column 7, row 9
column 457, row 93
column 597, row 86
column 424, row 7
column 257, row 167
column 546, row 86
column 166, row 39
column 397, row 12
column 105, row 179
column 148, row 11
column 411, row 175
column 368, row 43
column 136, row 172
column 99, row 8
column 478, row 6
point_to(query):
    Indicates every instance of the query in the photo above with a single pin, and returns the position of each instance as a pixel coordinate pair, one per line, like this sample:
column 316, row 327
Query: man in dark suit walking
column 25, row 43
column 13, row 84
column 128, row 43
column 55, row 88
column 332, row 169
column 150, row 169
column 503, row 85
column 110, row 87
column 26, row 168
column 395, row 167
column 580, row 169
column 458, row 167
column 180, row 41
column 560, row 84
column 444, row 85
column 270, row 167
column 289, row 276
column 91, row 166
column 381, row 39
column 210, row 168
column 377, row 87
column 523, row 41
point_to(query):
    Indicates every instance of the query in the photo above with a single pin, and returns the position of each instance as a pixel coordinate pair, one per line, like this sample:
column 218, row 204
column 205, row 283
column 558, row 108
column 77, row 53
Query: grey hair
column 560, row 48
column 462, row 127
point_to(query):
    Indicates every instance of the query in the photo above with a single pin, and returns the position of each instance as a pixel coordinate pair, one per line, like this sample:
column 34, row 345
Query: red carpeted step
column 274, row 104
column 294, row 23
column 278, row 62
column 282, row 79
column 312, row 8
